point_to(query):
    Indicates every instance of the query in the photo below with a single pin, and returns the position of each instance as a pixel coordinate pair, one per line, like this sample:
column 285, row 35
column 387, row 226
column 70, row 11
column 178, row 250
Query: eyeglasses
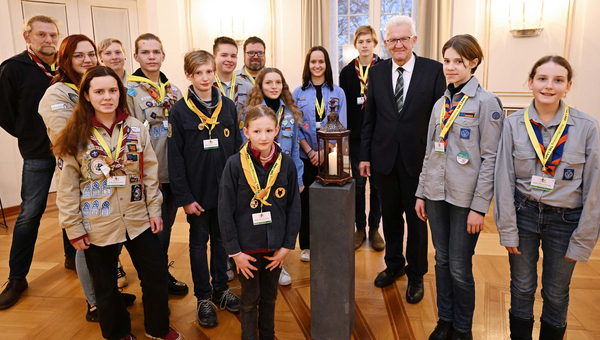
column 81, row 56
column 253, row 54
column 403, row 40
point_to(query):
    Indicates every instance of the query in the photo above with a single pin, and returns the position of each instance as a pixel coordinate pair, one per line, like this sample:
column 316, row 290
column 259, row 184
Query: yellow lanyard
column 249, row 76
column 250, row 173
column 112, row 156
column 321, row 107
column 279, row 113
column 452, row 117
column 231, row 92
column 536, row 144
column 162, row 89
column 364, row 76
column 212, row 121
column 73, row 87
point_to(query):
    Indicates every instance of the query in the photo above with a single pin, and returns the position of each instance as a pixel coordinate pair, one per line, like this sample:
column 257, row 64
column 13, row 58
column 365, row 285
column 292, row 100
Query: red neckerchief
column 365, row 82
column 39, row 63
column 271, row 158
column 121, row 116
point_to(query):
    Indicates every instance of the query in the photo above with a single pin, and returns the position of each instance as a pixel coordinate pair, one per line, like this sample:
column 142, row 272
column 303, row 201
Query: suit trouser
column 397, row 192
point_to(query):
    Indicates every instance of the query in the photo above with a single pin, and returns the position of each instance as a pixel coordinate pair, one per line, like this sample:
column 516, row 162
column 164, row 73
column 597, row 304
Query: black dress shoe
column 128, row 299
column 414, row 290
column 70, row 263
column 443, row 331
column 10, row 295
column 387, row 277
column 456, row 335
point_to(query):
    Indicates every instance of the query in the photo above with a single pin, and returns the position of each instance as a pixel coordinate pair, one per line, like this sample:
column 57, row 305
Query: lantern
column 334, row 149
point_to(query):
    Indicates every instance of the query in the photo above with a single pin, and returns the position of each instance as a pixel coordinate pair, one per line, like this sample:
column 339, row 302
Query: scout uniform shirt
column 577, row 181
column 86, row 203
column 463, row 175
column 150, row 104
column 241, row 90
column 248, row 82
column 56, row 107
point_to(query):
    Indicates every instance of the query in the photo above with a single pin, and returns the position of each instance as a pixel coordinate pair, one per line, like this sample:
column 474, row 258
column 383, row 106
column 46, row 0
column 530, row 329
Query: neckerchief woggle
column 111, row 157
column 212, row 121
column 448, row 116
column 250, row 173
column 159, row 96
column 557, row 143
column 249, row 76
column 233, row 88
column 39, row 63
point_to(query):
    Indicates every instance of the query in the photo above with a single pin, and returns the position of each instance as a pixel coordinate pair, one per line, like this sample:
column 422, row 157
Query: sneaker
column 284, row 278
column 176, row 287
column 128, row 299
column 10, row 295
column 70, row 263
column 92, row 314
column 207, row 313
column 230, row 273
column 226, row 300
column 305, row 255
column 172, row 335
column 121, row 276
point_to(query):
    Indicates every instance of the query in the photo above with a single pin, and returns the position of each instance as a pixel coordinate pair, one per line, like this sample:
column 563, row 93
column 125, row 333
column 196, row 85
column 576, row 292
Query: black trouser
column 397, row 190
column 258, row 300
column 361, row 182
column 149, row 261
column 310, row 173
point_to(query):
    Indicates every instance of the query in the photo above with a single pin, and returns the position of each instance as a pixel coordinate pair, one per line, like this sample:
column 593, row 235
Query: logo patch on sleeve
column 496, row 115
column 568, row 174
column 465, row 133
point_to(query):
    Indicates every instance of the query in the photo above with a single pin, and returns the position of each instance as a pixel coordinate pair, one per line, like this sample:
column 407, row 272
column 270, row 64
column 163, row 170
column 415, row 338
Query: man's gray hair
column 401, row 20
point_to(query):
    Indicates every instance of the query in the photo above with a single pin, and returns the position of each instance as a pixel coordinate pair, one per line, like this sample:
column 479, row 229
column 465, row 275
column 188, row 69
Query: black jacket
column 235, row 215
column 22, row 86
column 350, row 83
column 195, row 173
column 387, row 133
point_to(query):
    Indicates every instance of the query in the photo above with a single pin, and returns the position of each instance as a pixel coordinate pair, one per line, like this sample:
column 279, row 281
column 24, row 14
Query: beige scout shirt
column 56, row 107
column 144, row 108
column 87, row 205
column 475, row 131
column 577, row 181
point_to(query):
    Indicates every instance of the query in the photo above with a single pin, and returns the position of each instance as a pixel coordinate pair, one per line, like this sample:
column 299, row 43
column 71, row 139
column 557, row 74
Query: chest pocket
column 279, row 191
column 572, row 167
column 465, row 130
column 193, row 136
column 525, row 163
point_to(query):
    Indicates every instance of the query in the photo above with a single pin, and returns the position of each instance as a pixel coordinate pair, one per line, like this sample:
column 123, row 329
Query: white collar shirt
column 406, row 74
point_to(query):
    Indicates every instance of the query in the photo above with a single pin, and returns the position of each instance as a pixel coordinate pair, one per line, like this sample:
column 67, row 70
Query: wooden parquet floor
column 53, row 307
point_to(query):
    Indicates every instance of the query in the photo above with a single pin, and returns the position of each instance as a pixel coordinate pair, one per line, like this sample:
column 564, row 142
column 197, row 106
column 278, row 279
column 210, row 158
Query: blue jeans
column 169, row 212
column 552, row 227
column 202, row 228
column 454, row 249
column 37, row 177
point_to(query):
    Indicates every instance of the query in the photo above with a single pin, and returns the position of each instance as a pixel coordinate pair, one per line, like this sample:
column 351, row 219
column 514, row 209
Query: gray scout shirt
column 577, row 184
column 475, row 131
column 243, row 90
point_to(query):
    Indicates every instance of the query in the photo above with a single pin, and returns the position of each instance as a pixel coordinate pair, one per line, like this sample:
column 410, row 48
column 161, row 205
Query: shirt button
column 123, row 215
column 121, row 198
column 441, row 183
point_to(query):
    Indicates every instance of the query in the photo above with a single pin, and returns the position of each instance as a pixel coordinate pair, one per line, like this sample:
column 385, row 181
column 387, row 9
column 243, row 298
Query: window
column 350, row 14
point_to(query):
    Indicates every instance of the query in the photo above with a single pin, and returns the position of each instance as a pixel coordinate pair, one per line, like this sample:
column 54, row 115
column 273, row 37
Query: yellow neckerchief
column 536, row 144
column 112, row 156
column 231, row 92
column 364, row 76
column 279, row 114
column 162, row 89
column 212, row 121
column 452, row 117
column 321, row 107
column 72, row 86
column 249, row 76
column 250, row 173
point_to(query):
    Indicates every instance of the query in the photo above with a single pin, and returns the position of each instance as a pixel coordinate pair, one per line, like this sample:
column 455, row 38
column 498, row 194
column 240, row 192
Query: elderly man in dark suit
column 402, row 92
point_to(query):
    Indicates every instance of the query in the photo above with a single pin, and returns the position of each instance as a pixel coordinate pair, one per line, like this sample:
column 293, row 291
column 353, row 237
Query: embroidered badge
column 284, row 122
column 135, row 129
column 86, row 225
column 132, row 157
column 60, row 163
column 97, row 167
column 132, row 84
column 132, row 148
column 164, row 131
column 306, row 126
column 87, row 191
column 85, row 211
column 568, row 174
column 73, row 97
column 149, row 104
column 106, row 190
column 136, row 192
column 95, row 208
column 153, row 115
column 145, row 98
column 465, row 133
column 170, row 131
column 105, row 211
column 226, row 132
column 133, row 179
column 466, row 114
column 280, row 192
column 95, row 189
column 155, row 132
column 94, row 153
column 131, row 92
column 59, row 107
column 496, row 115
column 241, row 124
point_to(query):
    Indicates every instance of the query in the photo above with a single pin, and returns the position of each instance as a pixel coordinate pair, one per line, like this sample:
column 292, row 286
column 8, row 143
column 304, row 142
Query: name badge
column 211, row 144
column 261, row 218
column 166, row 123
column 135, row 129
column 360, row 100
column 543, row 183
column 116, row 181
column 318, row 124
column 439, row 147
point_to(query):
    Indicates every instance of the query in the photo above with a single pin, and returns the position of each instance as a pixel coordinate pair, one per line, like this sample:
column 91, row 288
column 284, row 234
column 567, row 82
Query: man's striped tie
column 399, row 93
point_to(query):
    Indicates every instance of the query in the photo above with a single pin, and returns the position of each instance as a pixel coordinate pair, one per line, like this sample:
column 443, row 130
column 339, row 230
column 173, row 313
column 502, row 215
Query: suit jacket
column 387, row 134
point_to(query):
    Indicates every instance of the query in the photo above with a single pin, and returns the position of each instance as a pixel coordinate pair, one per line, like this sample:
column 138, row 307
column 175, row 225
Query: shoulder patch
column 131, row 92
column 132, row 84
column 496, row 115
column 73, row 97
column 60, row 163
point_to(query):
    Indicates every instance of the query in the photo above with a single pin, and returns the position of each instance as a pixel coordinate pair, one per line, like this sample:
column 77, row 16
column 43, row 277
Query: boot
column 520, row 329
column 359, row 238
column 12, row 292
column 549, row 332
column 376, row 241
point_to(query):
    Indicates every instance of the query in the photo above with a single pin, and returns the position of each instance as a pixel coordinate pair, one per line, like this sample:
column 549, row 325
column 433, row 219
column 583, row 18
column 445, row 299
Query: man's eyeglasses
column 403, row 40
column 81, row 56
column 253, row 54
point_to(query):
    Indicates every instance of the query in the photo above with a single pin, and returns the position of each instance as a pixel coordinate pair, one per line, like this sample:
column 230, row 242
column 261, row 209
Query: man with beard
column 24, row 79
column 254, row 60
